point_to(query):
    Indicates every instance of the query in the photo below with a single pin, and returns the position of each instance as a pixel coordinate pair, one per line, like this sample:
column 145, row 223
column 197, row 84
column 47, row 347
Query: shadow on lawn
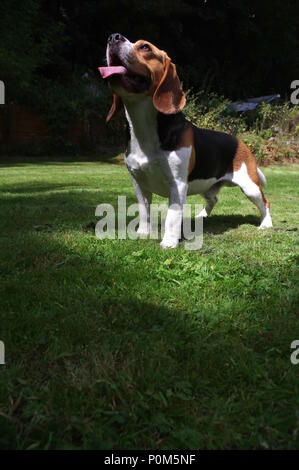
column 48, row 204
column 106, row 368
column 27, row 188
column 112, row 155
column 221, row 223
column 86, row 201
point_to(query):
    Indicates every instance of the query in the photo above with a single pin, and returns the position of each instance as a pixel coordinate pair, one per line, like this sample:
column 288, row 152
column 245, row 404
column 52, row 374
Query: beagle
column 167, row 155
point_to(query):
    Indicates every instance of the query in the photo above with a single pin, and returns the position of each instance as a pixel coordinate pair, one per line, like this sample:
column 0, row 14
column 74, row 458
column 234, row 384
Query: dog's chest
column 154, row 169
column 152, row 172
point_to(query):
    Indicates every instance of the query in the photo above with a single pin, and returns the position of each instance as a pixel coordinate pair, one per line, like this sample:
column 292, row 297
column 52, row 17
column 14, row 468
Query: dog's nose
column 116, row 37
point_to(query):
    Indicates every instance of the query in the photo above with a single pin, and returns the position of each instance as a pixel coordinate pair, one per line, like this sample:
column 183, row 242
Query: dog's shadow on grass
column 217, row 224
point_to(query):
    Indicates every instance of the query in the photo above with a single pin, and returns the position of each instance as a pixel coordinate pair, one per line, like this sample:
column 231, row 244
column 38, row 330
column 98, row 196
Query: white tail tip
column 262, row 178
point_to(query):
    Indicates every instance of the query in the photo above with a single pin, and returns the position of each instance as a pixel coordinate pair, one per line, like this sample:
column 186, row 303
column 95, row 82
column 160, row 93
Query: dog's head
column 141, row 68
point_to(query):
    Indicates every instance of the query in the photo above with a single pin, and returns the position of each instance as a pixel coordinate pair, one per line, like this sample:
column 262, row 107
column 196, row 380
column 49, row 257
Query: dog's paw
column 202, row 214
column 266, row 224
column 169, row 242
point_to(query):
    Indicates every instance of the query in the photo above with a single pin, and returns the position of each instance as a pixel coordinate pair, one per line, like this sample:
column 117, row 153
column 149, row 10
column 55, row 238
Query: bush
column 270, row 131
column 209, row 110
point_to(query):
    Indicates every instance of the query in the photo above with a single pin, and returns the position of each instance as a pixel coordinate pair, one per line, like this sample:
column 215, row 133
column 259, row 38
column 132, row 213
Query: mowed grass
column 119, row 344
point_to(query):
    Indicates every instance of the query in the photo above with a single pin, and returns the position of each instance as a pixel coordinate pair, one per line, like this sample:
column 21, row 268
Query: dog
column 167, row 155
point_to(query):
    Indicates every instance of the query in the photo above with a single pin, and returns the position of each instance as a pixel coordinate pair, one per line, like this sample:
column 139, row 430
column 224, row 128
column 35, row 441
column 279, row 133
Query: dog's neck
column 151, row 130
column 142, row 119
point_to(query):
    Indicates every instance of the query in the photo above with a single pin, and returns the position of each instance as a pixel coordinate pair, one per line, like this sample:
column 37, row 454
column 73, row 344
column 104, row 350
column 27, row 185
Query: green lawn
column 119, row 344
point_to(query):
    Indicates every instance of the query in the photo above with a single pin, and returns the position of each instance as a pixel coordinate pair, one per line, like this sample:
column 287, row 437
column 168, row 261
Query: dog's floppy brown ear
column 169, row 97
column 117, row 106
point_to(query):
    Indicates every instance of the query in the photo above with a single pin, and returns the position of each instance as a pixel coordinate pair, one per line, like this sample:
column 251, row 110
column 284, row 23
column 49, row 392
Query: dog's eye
column 145, row 47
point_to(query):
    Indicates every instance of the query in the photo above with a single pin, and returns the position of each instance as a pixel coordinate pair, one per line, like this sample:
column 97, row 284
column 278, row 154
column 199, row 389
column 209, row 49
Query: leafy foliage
column 271, row 131
column 27, row 42
column 225, row 49
column 234, row 48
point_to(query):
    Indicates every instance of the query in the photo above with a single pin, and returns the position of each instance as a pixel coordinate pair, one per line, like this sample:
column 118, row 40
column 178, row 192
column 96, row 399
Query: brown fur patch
column 149, row 63
column 165, row 88
column 192, row 156
column 116, row 107
column 169, row 97
column 187, row 141
column 192, row 159
column 244, row 155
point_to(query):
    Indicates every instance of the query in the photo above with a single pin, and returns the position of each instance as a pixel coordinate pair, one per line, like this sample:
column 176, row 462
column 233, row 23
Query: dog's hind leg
column 250, row 179
column 211, row 199
column 253, row 190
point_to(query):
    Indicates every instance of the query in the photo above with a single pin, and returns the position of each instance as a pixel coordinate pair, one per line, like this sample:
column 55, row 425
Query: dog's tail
column 262, row 178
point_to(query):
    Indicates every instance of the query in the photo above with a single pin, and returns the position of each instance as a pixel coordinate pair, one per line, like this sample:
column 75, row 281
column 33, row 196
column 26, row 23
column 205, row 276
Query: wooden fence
column 20, row 125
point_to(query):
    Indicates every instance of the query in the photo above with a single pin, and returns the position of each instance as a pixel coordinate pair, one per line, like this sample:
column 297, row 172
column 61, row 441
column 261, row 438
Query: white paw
column 266, row 222
column 202, row 213
column 169, row 242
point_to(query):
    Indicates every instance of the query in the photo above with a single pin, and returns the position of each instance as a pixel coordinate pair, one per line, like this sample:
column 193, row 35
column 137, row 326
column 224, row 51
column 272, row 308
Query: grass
column 119, row 344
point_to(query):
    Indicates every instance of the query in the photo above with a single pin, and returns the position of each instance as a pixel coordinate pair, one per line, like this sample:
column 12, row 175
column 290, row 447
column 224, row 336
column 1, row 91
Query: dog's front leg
column 144, row 198
column 173, row 222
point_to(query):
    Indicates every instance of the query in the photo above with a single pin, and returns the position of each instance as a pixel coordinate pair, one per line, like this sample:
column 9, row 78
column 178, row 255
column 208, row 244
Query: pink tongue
column 113, row 70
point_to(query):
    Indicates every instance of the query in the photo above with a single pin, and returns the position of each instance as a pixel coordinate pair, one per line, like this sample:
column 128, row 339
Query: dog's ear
column 117, row 106
column 169, row 97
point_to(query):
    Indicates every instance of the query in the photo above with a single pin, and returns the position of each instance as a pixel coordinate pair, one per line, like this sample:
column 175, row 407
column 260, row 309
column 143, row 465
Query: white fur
column 266, row 221
column 125, row 49
column 200, row 186
column 252, row 191
column 155, row 170
column 203, row 213
column 262, row 178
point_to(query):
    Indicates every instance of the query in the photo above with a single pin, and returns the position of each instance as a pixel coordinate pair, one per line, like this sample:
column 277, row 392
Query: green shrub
column 209, row 110
column 270, row 131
